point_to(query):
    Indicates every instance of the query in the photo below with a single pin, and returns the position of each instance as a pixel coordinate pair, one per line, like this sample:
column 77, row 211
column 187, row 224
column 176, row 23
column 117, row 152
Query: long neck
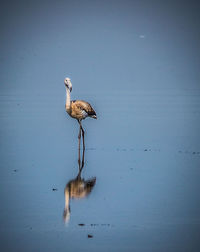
column 67, row 104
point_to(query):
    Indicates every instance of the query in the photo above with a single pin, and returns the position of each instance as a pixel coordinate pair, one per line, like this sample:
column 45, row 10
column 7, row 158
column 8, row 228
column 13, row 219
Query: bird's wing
column 83, row 105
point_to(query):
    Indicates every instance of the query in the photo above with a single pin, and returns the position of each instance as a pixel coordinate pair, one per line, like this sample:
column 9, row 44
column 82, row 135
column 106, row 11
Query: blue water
column 137, row 64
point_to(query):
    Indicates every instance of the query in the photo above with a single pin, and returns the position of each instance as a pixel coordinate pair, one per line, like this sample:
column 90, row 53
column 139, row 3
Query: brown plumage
column 78, row 109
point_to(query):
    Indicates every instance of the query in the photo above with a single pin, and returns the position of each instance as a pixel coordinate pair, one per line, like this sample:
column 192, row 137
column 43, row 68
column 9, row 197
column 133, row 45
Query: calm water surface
column 146, row 165
column 138, row 67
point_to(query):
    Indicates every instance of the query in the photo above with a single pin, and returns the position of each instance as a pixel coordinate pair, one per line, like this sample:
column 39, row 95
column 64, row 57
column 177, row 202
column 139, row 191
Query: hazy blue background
column 137, row 63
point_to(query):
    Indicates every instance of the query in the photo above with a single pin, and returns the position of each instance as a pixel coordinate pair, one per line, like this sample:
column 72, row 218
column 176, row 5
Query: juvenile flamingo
column 78, row 109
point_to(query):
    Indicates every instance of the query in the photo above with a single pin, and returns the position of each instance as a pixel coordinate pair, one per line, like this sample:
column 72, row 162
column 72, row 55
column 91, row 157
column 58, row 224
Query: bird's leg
column 81, row 165
column 79, row 158
column 83, row 154
column 83, row 134
column 83, row 158
column 79, row 137
column 79, row 147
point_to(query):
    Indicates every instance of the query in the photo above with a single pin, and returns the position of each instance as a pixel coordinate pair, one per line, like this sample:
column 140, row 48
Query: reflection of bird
column 77, row 188
column 78, row 109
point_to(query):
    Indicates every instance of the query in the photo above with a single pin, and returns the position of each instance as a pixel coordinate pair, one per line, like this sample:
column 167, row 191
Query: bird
column 77, row 109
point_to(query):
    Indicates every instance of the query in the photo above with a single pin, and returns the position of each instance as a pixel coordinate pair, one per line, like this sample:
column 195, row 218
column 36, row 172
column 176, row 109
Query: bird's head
column 68, row 83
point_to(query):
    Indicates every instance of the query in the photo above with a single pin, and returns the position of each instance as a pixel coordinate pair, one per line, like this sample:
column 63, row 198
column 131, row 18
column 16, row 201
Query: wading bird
column 78, row 109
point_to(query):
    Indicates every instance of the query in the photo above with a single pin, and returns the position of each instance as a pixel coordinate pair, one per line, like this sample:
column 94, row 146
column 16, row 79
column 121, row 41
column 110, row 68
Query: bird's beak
column 94, row 116
column 70, row 89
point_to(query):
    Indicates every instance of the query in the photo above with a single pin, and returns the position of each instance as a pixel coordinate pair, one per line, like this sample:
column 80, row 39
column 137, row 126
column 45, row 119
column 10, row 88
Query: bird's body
column 78, row 109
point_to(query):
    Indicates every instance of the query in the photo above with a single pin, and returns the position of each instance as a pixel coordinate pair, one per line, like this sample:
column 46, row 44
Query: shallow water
column 143, row 150
column 146, row 168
